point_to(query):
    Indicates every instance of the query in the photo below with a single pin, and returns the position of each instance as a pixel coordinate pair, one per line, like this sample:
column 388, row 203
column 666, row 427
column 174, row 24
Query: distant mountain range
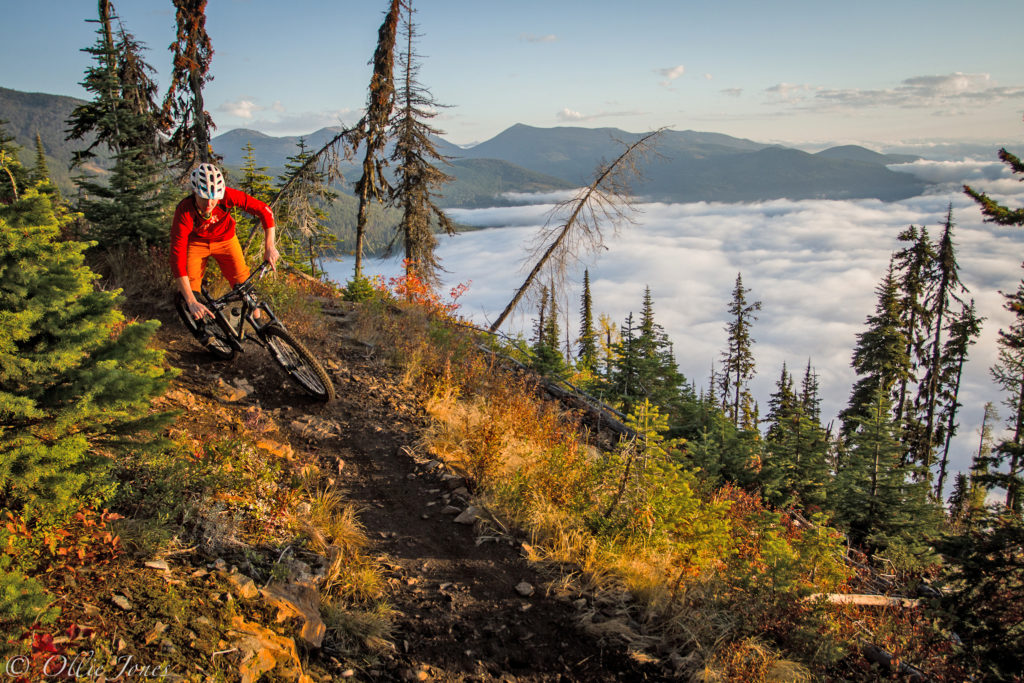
column 688, row 166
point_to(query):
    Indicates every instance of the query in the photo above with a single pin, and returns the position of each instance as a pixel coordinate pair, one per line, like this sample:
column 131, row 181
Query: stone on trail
column 524, row 589
column 468, row 516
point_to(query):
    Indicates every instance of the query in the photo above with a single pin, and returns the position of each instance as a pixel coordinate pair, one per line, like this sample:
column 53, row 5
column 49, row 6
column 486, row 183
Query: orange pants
column 228, row 255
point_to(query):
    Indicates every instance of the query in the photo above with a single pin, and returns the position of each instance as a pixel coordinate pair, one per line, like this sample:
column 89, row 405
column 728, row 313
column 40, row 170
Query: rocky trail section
column 468, row 606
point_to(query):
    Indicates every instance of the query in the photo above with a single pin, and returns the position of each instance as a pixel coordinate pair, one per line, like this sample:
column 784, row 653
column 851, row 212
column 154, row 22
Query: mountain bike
column 224, row 334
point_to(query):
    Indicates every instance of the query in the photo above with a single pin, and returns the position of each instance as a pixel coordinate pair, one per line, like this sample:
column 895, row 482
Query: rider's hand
column 198, row 310
column 271, row 255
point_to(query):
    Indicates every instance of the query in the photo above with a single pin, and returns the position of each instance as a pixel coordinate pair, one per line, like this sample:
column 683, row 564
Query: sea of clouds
column 814, row 265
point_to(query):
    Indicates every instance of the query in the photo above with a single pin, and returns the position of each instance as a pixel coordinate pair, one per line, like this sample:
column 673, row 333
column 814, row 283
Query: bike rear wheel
column 212, row 336
column 298, row 362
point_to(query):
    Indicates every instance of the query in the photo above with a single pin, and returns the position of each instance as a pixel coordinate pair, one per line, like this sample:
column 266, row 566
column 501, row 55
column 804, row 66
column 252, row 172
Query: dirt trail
column 460, row 616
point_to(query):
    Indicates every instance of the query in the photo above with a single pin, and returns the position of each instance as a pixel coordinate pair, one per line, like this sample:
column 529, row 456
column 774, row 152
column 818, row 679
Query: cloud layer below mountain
column 814, row 265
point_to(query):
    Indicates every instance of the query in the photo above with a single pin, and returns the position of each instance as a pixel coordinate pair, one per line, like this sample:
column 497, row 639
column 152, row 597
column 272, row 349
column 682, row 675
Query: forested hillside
column 563, row 505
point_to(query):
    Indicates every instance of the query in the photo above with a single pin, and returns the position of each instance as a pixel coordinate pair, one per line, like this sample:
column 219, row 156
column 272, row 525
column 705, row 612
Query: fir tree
column 547, row 359
column 624, row 374
column 417, row 177
column 738, row 359
column 14, row 178
column 304, row 237
column 912, row 267
column 588, row 337
column 963, row 332
column 880, row 358
column 41, row 170
column 944, row 289
column 71, row 387
column 659, row 377
column 795, row 471
column 1008, row 373
column 993, row 210
column 123, row 114
column 132, row 208
column 882, row 503
column 255, row 182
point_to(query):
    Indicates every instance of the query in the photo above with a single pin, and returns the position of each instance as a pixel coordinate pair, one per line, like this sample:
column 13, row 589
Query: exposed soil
column 454, row 586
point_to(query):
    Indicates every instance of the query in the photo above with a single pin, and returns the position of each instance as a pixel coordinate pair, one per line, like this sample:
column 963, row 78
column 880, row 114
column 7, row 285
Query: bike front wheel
column 211, row 335
column 298, row 362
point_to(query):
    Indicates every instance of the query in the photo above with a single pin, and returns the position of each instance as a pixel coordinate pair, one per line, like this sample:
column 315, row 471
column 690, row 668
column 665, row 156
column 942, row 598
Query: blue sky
column 797, row 72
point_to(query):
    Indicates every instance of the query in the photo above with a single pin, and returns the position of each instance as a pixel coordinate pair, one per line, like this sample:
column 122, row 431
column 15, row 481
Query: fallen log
column 866, row 600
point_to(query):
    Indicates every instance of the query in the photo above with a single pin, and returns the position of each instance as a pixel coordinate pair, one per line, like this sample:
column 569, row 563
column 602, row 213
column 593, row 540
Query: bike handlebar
column 244, row 288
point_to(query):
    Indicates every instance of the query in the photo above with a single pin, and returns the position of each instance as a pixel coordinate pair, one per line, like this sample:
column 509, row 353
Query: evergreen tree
column 132, row 208
column 255, row 182
column 41, row 170
column 943, row 290
column 980, row 463
column 738, row 359
column 1008, row 373
column 71, row 386
column 623, row 385
column 659, row 377
column 912, row 268
column 183, row 106
column 795, row 471
column 881, row 502
column 879, row 359
column 993, row 210
column 547, row 359
column 123, row 114
column 588, row 337
column 14, row 178
column 417, row 177
column 963, row 332
column 303, row 236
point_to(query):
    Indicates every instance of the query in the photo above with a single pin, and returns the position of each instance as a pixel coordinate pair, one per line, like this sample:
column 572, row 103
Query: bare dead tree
column 374, row 132
column 192, row 49
column 606, row 201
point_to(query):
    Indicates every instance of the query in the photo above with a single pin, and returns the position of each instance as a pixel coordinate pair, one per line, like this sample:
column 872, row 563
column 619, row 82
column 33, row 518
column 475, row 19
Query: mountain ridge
column 688, row 165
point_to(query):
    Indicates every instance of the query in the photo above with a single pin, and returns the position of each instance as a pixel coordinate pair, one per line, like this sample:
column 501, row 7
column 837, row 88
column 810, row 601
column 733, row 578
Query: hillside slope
column 461, row 609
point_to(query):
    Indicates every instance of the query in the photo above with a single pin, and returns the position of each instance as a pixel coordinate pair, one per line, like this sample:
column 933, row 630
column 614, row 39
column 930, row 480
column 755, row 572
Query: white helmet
column 207, row 182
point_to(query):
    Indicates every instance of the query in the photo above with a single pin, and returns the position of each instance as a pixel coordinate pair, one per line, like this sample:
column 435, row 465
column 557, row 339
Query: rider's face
column 205, row 206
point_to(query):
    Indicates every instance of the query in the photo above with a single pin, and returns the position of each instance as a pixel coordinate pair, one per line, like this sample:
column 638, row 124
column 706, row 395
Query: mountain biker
column 203, row 227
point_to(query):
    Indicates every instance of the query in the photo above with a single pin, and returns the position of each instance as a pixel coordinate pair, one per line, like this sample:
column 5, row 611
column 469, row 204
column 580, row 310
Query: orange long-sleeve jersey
column 190, row 226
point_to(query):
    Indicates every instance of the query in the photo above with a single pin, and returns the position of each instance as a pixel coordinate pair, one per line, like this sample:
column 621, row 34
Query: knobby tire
column 298, row 362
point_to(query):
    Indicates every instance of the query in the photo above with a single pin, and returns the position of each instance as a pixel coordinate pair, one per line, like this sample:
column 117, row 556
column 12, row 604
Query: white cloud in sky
column 732, row 92
column 932, row 91
column 813, row 264
column 284, row 123
column 570, row 115
column 242, row 108
column 670, row 74
column 530, row 38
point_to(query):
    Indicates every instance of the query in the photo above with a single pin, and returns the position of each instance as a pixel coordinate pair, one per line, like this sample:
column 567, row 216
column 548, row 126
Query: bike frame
column 242, row 294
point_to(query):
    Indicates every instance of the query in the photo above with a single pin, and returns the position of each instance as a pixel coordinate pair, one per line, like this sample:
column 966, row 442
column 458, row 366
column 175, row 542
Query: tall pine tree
column 880, row 358
column 738, row 366
column 587, row 358
column 416, row 159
